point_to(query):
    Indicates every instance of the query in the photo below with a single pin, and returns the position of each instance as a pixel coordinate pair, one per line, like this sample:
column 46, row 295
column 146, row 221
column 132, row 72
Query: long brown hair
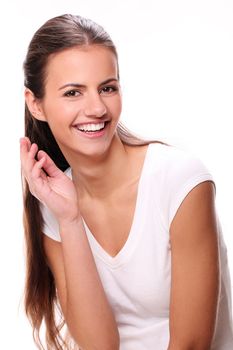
column 57, row 34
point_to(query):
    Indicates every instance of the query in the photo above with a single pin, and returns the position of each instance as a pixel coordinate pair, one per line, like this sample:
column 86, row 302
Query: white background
column 176, row 66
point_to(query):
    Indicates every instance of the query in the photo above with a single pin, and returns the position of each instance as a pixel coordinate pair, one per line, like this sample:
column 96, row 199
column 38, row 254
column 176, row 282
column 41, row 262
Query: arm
column 84, row 304
column 80, row 291
column 195, row 271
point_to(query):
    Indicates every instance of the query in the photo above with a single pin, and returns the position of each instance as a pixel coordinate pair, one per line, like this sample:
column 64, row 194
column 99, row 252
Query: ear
column 34, row 105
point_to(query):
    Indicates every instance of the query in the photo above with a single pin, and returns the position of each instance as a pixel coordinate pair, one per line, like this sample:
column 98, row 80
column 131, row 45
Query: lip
column 90, row 134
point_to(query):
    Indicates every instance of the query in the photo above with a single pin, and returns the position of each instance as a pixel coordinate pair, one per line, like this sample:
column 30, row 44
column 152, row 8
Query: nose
column 94, row 106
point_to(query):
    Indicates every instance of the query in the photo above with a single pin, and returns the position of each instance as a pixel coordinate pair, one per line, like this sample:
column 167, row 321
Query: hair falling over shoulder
column 41, row 302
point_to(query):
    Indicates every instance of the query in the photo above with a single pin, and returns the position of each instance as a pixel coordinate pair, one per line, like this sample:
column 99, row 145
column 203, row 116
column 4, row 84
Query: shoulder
column 176, row 165
column 175, row 159
column 174, row 172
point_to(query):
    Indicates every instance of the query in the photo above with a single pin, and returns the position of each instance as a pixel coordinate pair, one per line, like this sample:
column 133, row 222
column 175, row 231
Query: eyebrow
column 83, row 86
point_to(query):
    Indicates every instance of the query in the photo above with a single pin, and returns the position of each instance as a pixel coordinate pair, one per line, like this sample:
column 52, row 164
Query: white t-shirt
column 137, row 280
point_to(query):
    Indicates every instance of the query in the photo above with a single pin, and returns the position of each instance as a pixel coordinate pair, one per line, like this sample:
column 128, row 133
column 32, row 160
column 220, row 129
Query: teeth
column 91, row 127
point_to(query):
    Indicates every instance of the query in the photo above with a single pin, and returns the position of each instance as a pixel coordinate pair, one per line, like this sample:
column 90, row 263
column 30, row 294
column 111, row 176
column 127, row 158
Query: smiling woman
column 77, row 96
column 121, row 233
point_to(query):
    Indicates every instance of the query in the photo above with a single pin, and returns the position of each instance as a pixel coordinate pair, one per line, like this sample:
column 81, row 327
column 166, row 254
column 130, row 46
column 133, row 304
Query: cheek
column 119, row 111
column 117, row 107
column 58, row 112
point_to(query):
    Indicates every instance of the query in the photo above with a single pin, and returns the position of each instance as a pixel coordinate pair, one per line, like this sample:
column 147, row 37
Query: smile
column 92, row 130
column 91, row 127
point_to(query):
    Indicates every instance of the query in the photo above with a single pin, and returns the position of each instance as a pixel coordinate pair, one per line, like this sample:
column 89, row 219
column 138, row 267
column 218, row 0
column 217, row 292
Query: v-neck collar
column 127, row 249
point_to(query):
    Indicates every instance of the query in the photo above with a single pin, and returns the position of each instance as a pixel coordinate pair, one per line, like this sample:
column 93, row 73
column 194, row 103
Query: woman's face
column 82, row 102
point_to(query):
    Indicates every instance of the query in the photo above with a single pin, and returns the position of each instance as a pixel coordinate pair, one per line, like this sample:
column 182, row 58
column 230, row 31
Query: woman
column 121, row 233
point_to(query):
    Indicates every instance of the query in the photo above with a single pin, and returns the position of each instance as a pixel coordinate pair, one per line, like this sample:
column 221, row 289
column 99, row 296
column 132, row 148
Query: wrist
column 67, row 223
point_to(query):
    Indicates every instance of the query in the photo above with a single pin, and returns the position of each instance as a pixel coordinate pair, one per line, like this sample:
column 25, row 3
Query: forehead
column 91, row 63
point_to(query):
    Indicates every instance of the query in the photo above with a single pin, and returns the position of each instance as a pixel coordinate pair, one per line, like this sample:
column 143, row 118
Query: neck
column 98, row 178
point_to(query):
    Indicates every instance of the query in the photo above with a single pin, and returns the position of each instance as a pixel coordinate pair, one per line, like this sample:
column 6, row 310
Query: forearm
column 87, row 311
column 188, row 347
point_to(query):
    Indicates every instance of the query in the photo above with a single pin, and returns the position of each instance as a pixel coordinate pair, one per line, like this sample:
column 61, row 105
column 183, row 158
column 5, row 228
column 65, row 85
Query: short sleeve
column 187, row 172
column 50, row 225
column 178, row 172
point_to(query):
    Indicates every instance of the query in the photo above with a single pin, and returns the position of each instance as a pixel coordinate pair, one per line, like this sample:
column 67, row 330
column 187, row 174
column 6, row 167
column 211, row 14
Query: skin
column 195, row 271
column 98, row 184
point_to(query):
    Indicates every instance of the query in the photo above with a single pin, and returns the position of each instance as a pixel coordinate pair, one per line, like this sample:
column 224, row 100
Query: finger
column 37, row 171
column 23, row 154
column 49, row 166
column 36, row 178
column 27, row 155
column 25, row 146
column 25, row 143
column 32, row 151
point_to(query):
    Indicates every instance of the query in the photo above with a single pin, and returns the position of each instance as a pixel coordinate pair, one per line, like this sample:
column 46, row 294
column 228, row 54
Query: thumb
column 48, row 165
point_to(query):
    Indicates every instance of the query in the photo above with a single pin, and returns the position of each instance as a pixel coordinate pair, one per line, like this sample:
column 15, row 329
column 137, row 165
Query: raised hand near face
column 48, row 183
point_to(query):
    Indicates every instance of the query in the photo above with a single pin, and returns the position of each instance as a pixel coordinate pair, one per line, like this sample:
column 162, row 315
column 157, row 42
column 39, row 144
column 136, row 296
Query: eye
column 109, row 89
column 72, row 93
